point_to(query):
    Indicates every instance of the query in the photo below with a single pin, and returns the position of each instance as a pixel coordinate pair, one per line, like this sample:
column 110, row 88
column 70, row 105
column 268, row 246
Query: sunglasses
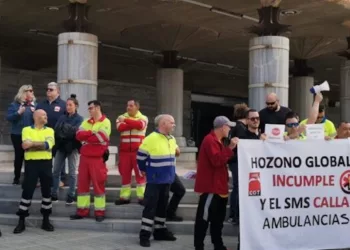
column 270, row 103
column 291, row 125
column 29, row 90
column 50, row 89
column 254, row 119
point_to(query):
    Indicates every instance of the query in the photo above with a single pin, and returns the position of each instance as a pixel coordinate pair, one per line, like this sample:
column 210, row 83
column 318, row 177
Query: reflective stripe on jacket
column 156, row 157
column 132, row 131
column 94, row 136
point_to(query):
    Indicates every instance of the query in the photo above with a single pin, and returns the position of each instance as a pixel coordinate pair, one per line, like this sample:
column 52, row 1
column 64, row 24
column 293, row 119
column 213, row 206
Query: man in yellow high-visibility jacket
column 38, row 141
column 94, row 134
column 156, row 159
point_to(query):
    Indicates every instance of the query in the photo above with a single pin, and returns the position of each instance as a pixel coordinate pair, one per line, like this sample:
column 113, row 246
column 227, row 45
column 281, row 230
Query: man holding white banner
column 343, row 130
column 294, row 131
column 212, row 183
column 294, row 195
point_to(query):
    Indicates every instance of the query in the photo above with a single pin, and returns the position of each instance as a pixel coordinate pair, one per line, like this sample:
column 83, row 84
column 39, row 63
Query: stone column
column 77, row 67
column 268, row 69
column 77, row 56
column 300, row 98
column 345, row 91
column 170, row 98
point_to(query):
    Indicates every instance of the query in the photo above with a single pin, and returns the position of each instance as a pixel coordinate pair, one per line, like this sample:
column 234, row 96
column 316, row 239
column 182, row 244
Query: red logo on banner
column 275, row 131
column 344, row 182
column 254, row 186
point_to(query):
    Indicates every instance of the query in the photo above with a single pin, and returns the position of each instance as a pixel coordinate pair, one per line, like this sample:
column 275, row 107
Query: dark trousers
column 178, row 190
column 35, row 169
column 19, row 154
column 154, row 213
column 234, row 197
column 211, row 209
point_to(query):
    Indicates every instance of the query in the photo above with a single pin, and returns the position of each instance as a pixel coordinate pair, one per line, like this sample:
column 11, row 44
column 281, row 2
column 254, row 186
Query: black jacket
column 65, row 131
column 240, row 131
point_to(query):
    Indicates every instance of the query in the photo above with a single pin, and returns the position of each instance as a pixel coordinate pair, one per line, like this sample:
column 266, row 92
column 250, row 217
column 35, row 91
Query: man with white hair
column 274, row 113
column 54, row 107
column 156, row 160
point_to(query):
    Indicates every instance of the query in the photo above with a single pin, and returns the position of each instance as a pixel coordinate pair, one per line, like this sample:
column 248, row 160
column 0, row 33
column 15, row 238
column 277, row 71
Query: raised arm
column 314, row 109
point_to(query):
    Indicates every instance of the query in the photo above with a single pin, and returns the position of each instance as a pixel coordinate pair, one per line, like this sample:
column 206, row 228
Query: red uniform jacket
column 212, row 172
column 132, row 132
column 94, row 136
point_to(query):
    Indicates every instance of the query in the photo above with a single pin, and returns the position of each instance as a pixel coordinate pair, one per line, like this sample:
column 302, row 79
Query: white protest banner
column 295, row 195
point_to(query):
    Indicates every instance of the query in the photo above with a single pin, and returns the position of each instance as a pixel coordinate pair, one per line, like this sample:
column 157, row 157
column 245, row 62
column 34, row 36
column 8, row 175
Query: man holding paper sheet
column 294, row 131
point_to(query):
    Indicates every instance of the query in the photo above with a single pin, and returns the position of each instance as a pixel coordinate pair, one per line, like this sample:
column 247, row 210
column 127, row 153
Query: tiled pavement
column 37, row 239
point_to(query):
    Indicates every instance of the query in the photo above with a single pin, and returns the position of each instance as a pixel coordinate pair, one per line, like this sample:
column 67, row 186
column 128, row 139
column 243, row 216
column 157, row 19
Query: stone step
column 113, row 180
column 130, row 211
column 109, row 225
column 9, row 191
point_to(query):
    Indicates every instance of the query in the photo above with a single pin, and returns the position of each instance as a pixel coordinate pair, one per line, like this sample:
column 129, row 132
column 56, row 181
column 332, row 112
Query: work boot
column 76, row 217
column 20, row 226
column 47, row 226
column 174, row 217
column 145, row 242
column 99, row 218
column 163, row 235
column 121, row 202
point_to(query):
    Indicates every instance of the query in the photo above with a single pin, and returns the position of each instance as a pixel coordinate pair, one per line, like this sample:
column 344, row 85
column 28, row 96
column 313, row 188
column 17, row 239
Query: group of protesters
column 219, row 149
column 54, row 129
column 47, row 133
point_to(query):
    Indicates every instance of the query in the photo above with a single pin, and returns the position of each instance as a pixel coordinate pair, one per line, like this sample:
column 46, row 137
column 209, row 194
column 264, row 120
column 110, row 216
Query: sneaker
column 76, row 217
column 174, row 218
column 54, row 198
column 233, row 221
column 70, row 200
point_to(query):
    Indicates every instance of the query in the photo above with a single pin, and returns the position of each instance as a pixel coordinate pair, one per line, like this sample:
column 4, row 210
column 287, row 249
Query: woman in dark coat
column 67, row 147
